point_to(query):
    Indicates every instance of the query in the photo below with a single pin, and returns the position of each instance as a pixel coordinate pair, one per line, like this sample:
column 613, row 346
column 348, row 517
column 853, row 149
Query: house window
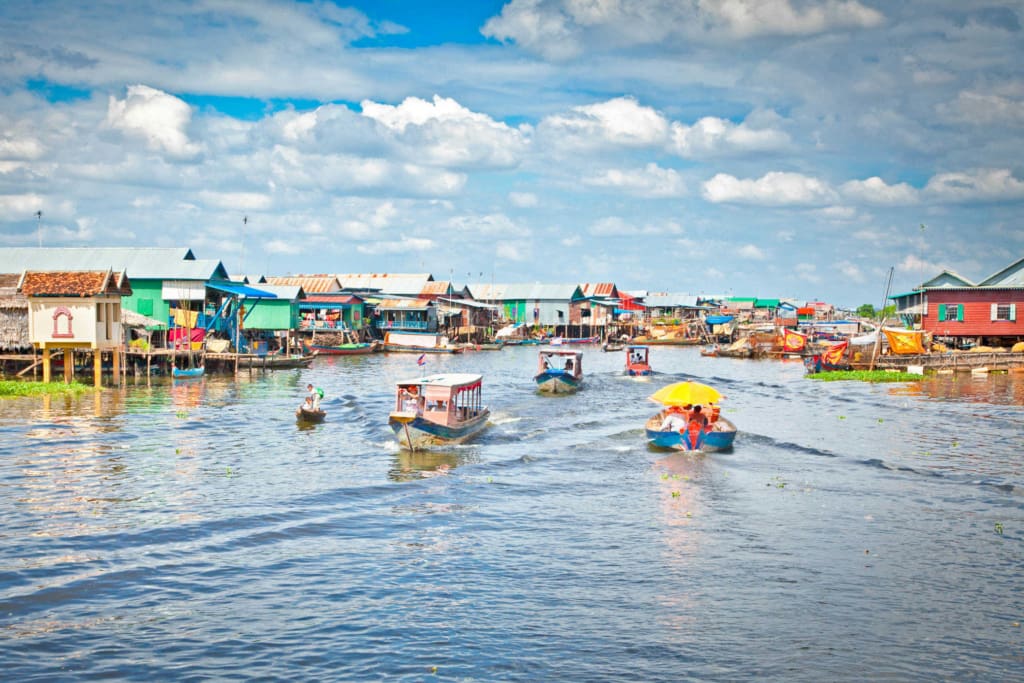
column 1006, row 312
column 951, row 313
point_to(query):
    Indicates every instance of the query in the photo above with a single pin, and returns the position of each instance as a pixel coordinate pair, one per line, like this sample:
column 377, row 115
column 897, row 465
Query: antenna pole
column 39, row 227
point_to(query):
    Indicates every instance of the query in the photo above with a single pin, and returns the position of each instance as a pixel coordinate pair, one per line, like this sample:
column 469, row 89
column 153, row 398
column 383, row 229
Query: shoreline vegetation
column 16, row 388
column 866, row 376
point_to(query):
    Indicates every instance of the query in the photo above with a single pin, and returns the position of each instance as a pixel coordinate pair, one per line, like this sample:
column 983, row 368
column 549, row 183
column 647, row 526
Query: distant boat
column 636, row 361
column 559, row 341
column 187, row 373
column 559, row 371
column 437, row 410
column 276, row 362
column 418, row 342
column 353, row 349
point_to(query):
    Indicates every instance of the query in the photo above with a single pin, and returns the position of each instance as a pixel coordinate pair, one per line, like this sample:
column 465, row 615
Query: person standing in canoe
column 313, row 396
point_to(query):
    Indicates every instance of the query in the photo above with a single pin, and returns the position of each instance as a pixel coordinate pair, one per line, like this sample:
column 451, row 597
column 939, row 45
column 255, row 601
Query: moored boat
column 350, row 349
column 418, row 342
column 637, row 361
column 559, row 371
column 187, row 373
column 276, row 362
column 438, row 409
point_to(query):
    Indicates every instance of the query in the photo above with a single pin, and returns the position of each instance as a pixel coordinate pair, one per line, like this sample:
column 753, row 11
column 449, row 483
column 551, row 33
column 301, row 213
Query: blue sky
column 789, row 148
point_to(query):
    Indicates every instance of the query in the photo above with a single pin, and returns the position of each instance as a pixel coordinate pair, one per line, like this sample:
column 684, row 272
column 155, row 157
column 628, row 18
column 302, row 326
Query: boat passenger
column 568, row 365
column 674, row 421
column 698, row 418
column 313, row 397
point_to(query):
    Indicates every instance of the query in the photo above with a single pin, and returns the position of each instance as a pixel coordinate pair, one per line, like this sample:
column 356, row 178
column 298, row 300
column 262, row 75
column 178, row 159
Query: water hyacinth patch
column 14, row 388
column 865, row 376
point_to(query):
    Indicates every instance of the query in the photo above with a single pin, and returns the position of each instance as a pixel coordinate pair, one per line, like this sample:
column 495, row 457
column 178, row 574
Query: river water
column 193, row 531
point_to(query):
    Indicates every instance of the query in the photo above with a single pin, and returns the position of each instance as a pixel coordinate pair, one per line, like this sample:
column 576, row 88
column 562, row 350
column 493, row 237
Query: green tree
column 866, row 311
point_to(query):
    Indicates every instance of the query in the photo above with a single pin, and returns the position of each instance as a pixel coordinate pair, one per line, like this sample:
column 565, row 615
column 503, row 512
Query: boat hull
column 187, row 373
column 422, row 433
column 275, row 363
column 305, row 415
column 344, row 349
column 405, row 348
column 638, row 370
column 557, row 382
column 720, row 438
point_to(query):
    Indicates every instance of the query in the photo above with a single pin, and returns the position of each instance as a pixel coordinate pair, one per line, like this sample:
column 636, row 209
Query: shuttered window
column 951, row 313
column 1006, row 312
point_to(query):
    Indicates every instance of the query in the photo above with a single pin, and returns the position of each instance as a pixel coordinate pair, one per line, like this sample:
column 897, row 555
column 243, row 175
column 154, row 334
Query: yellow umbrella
column 686, row 393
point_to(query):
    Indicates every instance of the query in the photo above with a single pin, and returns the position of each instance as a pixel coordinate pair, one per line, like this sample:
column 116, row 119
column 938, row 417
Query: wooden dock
column 955, row 361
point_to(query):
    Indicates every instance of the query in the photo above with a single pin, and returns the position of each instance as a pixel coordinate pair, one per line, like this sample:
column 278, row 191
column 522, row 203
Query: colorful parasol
column 686, row 393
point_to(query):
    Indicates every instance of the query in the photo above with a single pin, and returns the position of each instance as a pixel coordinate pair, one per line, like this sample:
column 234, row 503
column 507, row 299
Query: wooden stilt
column 97, row 368
column 69, row 364
column 46, row 365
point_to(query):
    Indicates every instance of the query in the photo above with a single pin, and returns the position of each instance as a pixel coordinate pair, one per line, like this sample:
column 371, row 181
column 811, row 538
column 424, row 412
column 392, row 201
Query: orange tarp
column 904, row 341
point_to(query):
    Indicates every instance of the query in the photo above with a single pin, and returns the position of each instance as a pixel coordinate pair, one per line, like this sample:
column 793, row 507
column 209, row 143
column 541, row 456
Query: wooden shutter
column 995, row 312
column 942, row 313
column 959, row 313
column 1013, row 311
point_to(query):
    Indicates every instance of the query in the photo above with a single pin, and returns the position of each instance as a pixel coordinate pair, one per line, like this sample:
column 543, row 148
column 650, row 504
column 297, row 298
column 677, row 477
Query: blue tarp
column 240, row 290
column 718, row 319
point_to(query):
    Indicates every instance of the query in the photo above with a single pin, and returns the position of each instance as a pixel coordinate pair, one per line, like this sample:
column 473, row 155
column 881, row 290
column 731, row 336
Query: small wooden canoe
column 304, row 414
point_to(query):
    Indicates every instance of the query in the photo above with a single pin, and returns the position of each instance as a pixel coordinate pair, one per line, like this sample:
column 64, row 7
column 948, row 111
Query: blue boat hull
column 187, row 373
column 557, row 382
column 421, row 433
column 719, row 439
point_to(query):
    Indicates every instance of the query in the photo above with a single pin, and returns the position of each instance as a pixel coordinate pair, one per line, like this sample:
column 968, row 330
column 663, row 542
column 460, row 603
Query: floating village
column 118, row 312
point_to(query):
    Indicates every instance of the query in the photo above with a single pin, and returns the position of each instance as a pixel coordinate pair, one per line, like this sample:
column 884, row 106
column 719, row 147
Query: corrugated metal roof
column 311, row 284
column 948, row 278
column 1011, row 276
column 157, row 263
column 83, row 283
column 338, row 300
column 606, row 289
column 404, row 304
column 388, row 283
column 287, row 292
column 436, row 288
column 527, row 292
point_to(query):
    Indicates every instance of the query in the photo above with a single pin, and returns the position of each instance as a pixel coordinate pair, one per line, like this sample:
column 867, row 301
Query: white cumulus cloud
column 712, row 136
column 982, row 185
column 158, row 118
column 773, row 189
column 874, row 190
column 651, row 181
column 444, row 133
column 621, row 121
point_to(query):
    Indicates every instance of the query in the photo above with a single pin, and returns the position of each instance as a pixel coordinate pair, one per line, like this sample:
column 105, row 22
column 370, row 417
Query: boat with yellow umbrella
column 690, row 420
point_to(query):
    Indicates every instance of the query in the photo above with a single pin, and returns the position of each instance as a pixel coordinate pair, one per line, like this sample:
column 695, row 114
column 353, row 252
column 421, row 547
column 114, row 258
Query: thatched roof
column 13, row 316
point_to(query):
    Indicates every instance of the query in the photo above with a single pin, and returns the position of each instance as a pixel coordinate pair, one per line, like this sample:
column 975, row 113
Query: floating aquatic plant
column 999, row 528
column 675, row 494
column 865, row 376
column 12, row 388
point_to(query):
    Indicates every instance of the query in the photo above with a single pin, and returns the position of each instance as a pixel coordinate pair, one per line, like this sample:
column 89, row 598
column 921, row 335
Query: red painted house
column 984, row 313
